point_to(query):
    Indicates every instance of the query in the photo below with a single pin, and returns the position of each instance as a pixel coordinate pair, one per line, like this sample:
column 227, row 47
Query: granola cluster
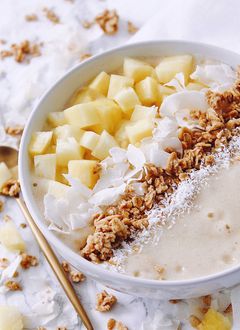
column 105, row 301
column 108, row 21
column 216, row 128
column 11, row 188
column 22, row 51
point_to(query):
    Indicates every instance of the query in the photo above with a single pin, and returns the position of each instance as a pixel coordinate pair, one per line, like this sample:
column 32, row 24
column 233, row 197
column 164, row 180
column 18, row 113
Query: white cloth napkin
column 215, row 22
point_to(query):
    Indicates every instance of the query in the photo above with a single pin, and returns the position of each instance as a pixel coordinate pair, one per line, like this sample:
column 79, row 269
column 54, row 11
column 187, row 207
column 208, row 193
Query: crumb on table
column 105, row 301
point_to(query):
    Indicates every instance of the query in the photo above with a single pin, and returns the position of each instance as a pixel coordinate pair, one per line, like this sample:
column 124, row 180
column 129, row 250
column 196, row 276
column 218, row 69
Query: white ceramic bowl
column 54, row 100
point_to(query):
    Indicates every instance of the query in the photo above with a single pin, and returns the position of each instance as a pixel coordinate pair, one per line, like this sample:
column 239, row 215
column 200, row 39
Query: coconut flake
column 183, row 100
column 118, row 154
column 178, row 82
column 8, row 272
column 215, row 75
column 135, row 156
column 107, row 196
column 165, row 127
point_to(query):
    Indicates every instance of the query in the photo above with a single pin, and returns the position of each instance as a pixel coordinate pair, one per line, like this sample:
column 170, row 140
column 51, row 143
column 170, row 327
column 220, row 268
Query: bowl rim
column 59, row 245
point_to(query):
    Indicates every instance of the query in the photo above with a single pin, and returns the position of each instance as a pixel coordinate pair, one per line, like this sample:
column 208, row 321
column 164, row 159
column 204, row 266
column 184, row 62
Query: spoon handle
column 55, row 265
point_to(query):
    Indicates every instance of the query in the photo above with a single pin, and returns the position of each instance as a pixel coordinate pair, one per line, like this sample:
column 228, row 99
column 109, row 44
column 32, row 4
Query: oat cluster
column 14, row 130
column 118, row 222
column 74, row 275
column 28, row 261
column 115, row 325
column 22, row 52
column 51, row 15
column 105, row 301
column 108, row 21
column 11, row 188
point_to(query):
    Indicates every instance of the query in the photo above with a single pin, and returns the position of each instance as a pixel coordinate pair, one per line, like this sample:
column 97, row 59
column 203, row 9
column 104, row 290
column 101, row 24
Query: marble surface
column 42, row 302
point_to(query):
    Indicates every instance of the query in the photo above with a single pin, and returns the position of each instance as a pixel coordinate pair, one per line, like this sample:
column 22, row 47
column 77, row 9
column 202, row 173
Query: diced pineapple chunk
column 117, row 83
column 39, row 143
column 141, row 112
column 165, row 91
column 84, row 170
column 139, row 130
column 170, row 66
column 147, row 91
column 110, row 114
column 10, row 318
column 56, row 119
column 5, row 174
column 67, row 150
column 89, row 140
column 195, row 86
column 66, row 131
column 10, row 237
column 45, row 166
column 57, row 189
column 101, row 83
column 105, row 143
column 85, row 95
column 137, row 70
column 82, row 115
column 127, row 99
column 121, row 134
column 213, row 320
column 61, row 170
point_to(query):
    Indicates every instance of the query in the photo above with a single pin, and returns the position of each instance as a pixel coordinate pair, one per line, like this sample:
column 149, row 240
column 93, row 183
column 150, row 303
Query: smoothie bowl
column 129, row 164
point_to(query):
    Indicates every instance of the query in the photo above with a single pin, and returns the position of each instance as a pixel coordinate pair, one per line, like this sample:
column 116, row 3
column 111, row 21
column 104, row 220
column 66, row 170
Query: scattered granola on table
column 22, row 52
column 85, row 56
column 11, row 188
column 77, row 276
column 51, row 15
column 13, row 285
column 28, row 261
column 14, row 130
column 131, row 27
column 105, row 301
column 31, row 17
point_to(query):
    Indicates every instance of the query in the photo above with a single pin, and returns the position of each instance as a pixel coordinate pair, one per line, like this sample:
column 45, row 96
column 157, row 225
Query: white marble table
column 42, row 301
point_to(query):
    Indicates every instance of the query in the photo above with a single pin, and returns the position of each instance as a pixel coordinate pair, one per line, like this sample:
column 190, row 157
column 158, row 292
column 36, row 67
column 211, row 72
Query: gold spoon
column 10, row 157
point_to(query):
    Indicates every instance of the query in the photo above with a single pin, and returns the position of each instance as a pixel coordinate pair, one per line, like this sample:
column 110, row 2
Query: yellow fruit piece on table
column 56, row 119
column 10, row 237
column 170, row 66
column 66, row 131
column 67, row 150
column 5, row 174
column 127, row 99
column 139, row 130
column 101, row 83
column 121, row 134
column 117, row 83
column 213, row 320
column 45, row 166
column 89, row 140
column 85, row 95
column 147, row 91
column 82, row 115
column 84, row 170
column 110, row 114
column 105, row 143
column 136, row 69
column 10, row 318
column 195, row 86
column 57, row 189
column 141, row 112
column 39, row 143
column 14, row 172
column 165, row 91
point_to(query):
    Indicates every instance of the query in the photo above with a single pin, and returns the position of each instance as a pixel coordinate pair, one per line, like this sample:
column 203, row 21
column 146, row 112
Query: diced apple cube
column 10, row 237
column 105, row 143
column 165, row 91
column 170, row 66
column 141, row 112
column 45, row 166
column 139, row 130
column 39, row 143
column 117, row 83
column 137, row 70
column 101, row 83
column 66, row 131
column 10, row 318
column 127, row 99
column 57, row 189
column 121, row 134
column 83, row 115
column 67, row 150
column 56, row 119
column 85, row 95
column 147, row 91
column 110, row 114
column 89, row 140
column 5, row 174
column 84, row 170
